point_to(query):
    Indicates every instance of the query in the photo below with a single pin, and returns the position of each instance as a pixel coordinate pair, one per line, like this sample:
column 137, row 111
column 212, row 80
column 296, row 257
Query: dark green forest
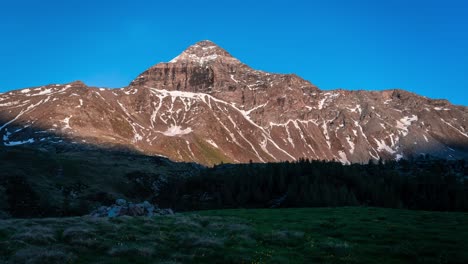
column 423, row 184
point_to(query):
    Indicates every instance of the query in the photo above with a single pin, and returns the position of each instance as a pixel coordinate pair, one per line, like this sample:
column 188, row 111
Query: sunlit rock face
column 206, row 106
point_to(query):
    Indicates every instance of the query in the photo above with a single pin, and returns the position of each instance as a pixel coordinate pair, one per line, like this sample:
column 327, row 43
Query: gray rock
column 113, row 211
column 147, row 204
column 121, row 202
column 124, row 208
column 136, row 210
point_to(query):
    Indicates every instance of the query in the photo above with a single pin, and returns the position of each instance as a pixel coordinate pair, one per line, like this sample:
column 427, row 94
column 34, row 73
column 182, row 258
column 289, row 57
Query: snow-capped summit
column 203, row 52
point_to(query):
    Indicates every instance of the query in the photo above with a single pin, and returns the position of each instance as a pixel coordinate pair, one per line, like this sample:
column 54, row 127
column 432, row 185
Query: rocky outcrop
column 122, row 207
column 208, row 107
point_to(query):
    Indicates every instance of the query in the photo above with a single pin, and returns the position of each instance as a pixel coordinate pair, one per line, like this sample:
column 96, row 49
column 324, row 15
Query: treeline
column 424, row 183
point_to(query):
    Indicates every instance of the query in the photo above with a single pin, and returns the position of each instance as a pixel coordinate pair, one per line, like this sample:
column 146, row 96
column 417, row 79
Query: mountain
column 206, row 106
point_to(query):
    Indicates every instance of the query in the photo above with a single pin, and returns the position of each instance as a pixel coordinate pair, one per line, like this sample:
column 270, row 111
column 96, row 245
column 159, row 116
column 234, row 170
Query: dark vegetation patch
column 422, row 183
column 35, row 183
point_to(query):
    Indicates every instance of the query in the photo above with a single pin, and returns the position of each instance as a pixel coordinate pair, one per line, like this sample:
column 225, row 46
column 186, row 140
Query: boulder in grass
column 121, row 202
column 136, row 210
column 149, row 208
column 124, row 208
column 113, row 211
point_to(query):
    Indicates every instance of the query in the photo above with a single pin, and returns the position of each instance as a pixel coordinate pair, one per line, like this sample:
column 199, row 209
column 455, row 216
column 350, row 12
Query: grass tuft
column 37, row 255
column 131, row 251
column 36, row 236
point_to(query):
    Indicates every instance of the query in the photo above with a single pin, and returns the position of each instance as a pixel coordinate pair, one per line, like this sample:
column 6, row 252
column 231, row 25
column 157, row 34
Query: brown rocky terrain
column 208, row 107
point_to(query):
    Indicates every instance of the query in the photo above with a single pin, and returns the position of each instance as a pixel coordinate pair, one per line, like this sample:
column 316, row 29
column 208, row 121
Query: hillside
column 60, row 182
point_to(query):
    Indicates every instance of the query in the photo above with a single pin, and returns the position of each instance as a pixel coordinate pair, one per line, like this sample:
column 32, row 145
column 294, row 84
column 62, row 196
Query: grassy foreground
column 312, row 235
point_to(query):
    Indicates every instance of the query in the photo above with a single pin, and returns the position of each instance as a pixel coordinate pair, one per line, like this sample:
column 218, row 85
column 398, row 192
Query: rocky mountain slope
column 206, row 106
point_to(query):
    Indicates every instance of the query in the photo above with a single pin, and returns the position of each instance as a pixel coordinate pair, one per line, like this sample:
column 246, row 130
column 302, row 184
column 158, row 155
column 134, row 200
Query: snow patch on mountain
column 194, row 58
column 456, row 129
column 16, row 143
column 405, row 122
column 175, row 131
column 398, row 157
column 66, row 121
column 381, row 146
column 46, row 91
column 351, row 144
column 211, row 142
column 343, row 158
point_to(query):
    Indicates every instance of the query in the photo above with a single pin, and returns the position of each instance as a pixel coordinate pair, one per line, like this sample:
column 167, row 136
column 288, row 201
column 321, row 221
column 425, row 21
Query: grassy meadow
column 312, row 235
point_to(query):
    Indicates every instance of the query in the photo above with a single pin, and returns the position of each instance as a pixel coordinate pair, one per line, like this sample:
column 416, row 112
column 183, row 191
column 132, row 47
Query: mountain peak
column 205, row 43
column 202, row 52
column 77, row 83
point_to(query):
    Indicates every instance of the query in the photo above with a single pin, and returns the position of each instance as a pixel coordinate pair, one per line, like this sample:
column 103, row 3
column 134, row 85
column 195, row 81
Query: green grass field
column 312, row 235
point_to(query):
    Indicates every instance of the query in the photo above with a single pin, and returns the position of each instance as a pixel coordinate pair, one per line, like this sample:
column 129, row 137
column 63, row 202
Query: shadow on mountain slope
column 45, row 174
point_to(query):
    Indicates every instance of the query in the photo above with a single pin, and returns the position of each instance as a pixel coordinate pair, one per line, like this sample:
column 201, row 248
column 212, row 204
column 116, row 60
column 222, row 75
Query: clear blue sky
column 420, row 46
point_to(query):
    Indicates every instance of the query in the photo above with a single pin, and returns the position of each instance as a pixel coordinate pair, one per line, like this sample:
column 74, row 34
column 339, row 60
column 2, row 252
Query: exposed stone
column 124, row 208
column 120, row 202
